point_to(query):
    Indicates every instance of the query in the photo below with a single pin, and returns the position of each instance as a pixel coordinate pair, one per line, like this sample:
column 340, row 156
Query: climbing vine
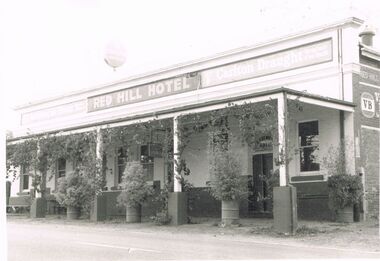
column 41, row 154
column 248, row 122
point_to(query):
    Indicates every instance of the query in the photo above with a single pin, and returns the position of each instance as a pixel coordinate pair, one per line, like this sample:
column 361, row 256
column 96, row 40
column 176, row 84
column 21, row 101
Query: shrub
column 134, row 185
column 226, row 180
column 75, row 190
column 344, row 190
column 161, row 218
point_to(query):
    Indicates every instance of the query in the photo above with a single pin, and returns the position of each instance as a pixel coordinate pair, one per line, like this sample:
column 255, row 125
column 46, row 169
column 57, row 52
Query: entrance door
column 259, row 203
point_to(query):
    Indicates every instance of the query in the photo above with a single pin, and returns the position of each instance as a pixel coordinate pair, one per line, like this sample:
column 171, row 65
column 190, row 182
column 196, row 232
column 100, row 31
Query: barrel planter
column 230, row 212
column 72, row 213
column 345, row 215
column 133, row 214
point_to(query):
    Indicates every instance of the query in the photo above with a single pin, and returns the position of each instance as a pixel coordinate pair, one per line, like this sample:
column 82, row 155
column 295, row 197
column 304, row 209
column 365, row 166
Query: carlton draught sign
column 141, row 93
column 284, row 60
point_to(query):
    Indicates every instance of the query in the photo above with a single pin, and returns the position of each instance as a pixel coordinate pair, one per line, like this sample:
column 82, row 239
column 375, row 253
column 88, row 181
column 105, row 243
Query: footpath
column 358, row 237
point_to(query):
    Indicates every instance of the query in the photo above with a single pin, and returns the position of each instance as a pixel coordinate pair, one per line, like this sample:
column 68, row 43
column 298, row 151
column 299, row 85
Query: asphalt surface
column 40, row 241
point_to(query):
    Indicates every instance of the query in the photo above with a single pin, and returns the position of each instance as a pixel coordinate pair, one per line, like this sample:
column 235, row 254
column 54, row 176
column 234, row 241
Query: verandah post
column 99, row 144
column 282, row 132
column 38, row 207
column 177, row 201
column 99, row 204
column 284, row 196
column 176, row 156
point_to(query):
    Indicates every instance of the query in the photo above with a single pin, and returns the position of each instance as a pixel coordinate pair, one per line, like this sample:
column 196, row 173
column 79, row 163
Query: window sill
column 24, row 193
column 309, row 173
column 309, row 177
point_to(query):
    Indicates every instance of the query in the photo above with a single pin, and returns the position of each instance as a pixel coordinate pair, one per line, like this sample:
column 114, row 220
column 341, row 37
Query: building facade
column 331, row 73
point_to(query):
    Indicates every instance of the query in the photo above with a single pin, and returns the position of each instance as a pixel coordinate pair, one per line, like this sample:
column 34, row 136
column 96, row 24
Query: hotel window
column 61, row 167
column 308, row 141
column 25, row 178
column 122, row 157
column 147, row 162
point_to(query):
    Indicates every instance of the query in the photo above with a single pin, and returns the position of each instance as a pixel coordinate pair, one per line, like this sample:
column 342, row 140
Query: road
column 41, row 241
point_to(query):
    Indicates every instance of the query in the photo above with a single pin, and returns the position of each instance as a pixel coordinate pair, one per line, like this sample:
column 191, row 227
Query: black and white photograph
column 189, row 130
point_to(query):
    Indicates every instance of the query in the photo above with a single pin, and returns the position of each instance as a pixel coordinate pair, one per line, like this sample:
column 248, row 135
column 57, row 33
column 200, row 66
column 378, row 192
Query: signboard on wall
column 367, row 96
column 368, row 105
column 284, row 60
column 369, row 75
column 55, row 112
column 145, row 92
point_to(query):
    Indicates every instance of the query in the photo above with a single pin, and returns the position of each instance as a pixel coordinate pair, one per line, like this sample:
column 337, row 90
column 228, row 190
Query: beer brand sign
column 369, row 84
column 55, row 112
column 284, row 60
column 369, row 75
column 143, row 92
column 370, row 104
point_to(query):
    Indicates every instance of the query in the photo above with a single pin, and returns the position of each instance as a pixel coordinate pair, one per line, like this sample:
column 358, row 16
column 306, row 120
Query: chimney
column 367, row 35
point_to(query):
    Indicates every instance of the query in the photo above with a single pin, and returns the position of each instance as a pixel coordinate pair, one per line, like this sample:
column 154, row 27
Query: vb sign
column 368, row 105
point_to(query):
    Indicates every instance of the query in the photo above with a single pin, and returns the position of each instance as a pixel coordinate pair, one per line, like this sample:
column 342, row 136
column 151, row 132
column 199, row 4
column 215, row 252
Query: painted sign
column 54, row 112
column 143, row 92
column 367, row 105
column 369, row 94
column 296, row 57
column 369, row 75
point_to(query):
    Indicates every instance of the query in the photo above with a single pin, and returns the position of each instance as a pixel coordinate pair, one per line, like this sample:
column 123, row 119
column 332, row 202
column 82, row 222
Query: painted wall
column 329, row 134
column 133, row 155
column 51, row 181
column 327, row 86
column 197, row 159
column 15, row 183
column 159, row 170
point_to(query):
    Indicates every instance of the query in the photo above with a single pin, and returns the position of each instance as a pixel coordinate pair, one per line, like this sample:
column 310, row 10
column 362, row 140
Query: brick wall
column 370, row 147
column 367, row 131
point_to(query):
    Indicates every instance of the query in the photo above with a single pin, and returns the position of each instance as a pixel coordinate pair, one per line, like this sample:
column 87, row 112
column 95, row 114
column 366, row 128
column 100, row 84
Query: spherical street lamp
column 114, row 55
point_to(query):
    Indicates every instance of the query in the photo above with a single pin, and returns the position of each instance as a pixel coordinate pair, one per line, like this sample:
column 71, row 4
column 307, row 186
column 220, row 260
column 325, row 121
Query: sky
column 48, row 48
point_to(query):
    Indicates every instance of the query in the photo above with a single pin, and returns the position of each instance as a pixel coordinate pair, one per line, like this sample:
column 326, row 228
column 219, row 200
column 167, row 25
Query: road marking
column 130, row 249
column 141, row 233
column 303, row 246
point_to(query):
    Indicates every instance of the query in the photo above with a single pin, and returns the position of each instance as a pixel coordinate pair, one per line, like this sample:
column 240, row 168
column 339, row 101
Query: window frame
column 119, row 176
column 60, row 171
column 147, row 162
column 24, row 172
column 299, row 147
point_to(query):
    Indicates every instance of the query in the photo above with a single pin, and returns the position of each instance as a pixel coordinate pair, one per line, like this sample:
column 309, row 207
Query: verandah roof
column 265, row 95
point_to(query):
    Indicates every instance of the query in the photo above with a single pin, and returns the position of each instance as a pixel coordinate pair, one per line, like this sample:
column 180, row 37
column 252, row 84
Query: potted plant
column 344, row 189
column 74, row 192
column 135, row 191
column 226, row 183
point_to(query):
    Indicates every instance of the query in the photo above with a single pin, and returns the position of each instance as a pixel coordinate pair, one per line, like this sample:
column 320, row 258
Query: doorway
column 259, row 204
